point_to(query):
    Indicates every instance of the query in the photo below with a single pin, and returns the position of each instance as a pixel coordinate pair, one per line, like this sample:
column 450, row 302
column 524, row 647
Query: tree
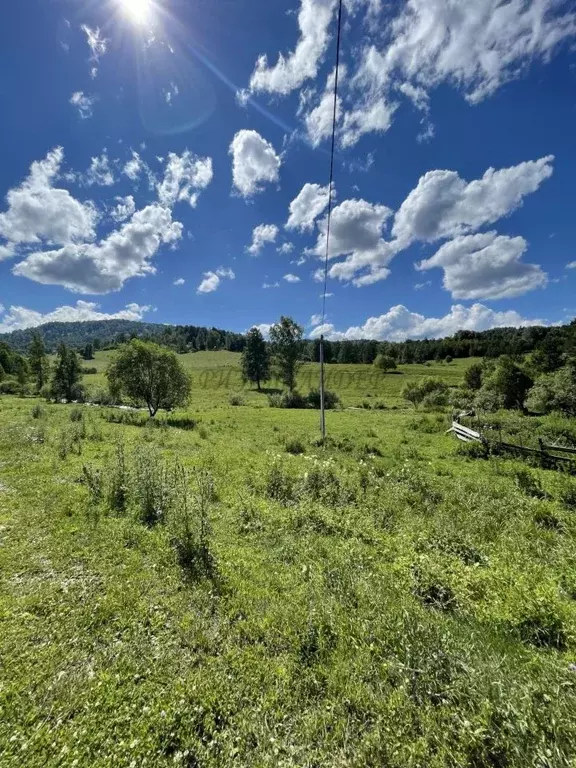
column 88, row 351
column 554, row 392
column 473, row 376
column 67, row 375
column 510, row 382
column 286, row 339
column 255, row 359
column 384, row 363
column 147, row 373
column 39, row 364
column 413, row 394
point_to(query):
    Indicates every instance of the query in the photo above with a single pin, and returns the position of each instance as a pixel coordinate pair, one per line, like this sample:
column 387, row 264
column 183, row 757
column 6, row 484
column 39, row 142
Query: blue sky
column 168, row 160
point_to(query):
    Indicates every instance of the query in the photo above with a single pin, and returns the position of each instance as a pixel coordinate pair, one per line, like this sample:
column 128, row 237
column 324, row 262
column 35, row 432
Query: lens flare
column 138, row 11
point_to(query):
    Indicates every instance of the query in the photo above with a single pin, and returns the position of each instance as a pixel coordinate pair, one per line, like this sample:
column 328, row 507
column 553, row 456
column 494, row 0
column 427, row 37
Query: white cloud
column 285, row 248
column 97, row 44
column 399, row 324
column 264, row 329
column 310, row 203
column 476, row 48
column 184, row 175
column 262, row 234
column 39, row 211
column 124, row 210
column 133, row 167
column 254, row 162
column 271, row 285
column 83, row 103
column 486, row 266
column 315, row 319
column 302, row 64
column 443, row 205
column 100, row 172
column 18, row 318
column 104, row 267
column 319, row 120
column 356, row 232
column 290, row 278
column 421, row 286
column 212, row 280
column 179, row 281
column 7, row 251
column 571, row 265
column 170, row 93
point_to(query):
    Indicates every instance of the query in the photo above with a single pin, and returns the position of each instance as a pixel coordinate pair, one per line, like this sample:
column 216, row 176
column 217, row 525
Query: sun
column 138, row 11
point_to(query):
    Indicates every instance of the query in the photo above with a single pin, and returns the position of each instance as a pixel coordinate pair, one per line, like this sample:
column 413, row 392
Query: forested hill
column 78, row 334
column 552, row 341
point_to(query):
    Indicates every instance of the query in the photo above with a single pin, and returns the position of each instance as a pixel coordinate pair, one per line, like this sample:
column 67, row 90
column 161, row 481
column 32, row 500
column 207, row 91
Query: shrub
column 331, row 399
column 37, row 412
column 189, row 518
column 180, row 422
column 89, row 371
column 235, row 399
column 384, row 363
column 543, row 626
column 9, row 387
column 287, row 400
column 294, row 446
column 488, row 400
column 150, row 487
column 76, row 415
column 279, row 485
column 473, row 376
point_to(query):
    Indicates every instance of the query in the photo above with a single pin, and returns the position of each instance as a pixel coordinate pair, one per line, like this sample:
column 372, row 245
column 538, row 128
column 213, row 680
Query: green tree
column 473, row 376
column 88, row 351
column 510, row 382
column 39, row 364
column 147, row 373
column 67, row 375
column 255, row 359
column 413, row 394
column 286, row 338
column 554, row 392
column 385, row 363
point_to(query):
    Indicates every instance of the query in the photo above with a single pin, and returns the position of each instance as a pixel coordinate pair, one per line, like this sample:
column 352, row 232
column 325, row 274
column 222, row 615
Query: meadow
column 220, row 590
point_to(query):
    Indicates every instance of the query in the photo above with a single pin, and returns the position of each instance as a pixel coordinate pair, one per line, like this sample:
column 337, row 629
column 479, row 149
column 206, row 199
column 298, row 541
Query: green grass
column 386, row 601
column 215, row 375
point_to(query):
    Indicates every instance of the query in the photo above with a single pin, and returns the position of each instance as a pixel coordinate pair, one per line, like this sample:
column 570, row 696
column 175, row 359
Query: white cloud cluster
column 310, row 203
column 83, row 103
column 356, row 232
column 486, row 266
column 399, row 324
column 98, row 45
column 100, row 172
column 17, row 318
column 319, row 119
column 262, row 234
column 105, row 266
column 124, row 209
column 212, row 280
column 254, row 162
column 179, row 281
column 301, row 64
column 133, row 168
column 290, row 278
column 184, row 176
column 443, row 205
column 38, row 211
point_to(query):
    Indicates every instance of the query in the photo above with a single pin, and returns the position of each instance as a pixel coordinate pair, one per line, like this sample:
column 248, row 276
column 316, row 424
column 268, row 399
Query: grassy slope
column 392, row 622
column 217, row 374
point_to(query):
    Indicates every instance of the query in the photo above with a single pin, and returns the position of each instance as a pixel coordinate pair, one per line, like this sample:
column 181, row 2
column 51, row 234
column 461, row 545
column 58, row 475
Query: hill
column 78, row 334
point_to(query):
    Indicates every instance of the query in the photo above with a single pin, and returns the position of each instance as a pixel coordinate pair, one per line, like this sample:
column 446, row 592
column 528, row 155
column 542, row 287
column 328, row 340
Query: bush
column 37, row 412
column 294, row 446
column 331, row 399
column 235, row 399
column 89, row 371
column 10, row 387
column 76, row 415
column 488, row 400
column 287, row 400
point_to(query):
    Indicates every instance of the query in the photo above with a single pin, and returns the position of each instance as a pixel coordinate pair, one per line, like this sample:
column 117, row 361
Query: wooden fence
column 545, row 454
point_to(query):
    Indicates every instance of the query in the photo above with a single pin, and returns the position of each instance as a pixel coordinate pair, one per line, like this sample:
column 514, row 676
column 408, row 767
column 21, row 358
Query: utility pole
column 322, row 410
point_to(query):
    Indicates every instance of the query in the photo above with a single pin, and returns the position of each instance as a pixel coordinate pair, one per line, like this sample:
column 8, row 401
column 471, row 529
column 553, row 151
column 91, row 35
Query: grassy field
column 386, row 601
column 216, row 375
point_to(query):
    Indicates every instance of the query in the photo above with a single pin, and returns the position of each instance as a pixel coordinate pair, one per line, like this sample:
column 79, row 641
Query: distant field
column 216, row 375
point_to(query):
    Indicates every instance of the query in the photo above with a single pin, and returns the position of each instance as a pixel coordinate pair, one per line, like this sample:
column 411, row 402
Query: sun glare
column 138, row 11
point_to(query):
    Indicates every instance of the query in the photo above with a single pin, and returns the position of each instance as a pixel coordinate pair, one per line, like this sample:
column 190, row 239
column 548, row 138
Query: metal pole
column 322, row 411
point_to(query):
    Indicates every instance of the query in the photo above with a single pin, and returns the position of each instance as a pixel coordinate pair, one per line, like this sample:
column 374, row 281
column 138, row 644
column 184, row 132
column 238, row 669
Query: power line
column 328, row 222
column 334, row 116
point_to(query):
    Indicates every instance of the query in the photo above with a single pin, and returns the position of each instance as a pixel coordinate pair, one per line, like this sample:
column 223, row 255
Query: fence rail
column 544, row 454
